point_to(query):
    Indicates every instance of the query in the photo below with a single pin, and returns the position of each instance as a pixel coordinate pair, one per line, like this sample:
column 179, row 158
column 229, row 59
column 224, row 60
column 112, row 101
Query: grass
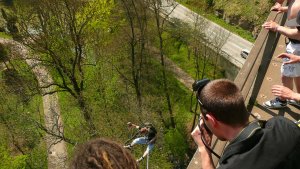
column 232, row 28
column 212, row 17
column 5, row 35
column 181, row 59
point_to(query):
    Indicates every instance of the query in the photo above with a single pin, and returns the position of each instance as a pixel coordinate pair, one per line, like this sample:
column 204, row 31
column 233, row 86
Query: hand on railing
column 271, row 25
column 279, row 8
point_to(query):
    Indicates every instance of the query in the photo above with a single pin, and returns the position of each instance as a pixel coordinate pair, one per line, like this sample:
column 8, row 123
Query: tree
column 17, row 97
column 161, row 15
column 181, row 32
column 206, row 45
column 60, row 31
column 137, row 15
column 198, row 45
column 219, row 38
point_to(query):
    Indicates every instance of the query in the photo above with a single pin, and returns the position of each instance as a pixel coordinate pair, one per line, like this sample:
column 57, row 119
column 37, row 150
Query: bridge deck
column 272, row 77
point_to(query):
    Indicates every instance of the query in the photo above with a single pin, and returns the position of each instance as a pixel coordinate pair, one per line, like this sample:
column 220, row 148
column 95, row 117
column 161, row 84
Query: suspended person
column 102, row 154
column 289, row 72
column 274, row 144
column 149, row 138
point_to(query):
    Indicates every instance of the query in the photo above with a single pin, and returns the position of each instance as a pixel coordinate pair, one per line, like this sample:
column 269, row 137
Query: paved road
column 234, row 44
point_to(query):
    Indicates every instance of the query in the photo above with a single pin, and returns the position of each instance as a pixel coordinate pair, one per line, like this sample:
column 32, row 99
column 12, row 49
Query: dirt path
column 57, row 152
column 180, row 75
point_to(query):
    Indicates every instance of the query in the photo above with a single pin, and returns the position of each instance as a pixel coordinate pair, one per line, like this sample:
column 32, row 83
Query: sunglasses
column 198, row 86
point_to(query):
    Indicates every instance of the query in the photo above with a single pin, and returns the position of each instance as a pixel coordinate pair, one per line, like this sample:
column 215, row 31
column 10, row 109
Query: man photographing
column 273, row 145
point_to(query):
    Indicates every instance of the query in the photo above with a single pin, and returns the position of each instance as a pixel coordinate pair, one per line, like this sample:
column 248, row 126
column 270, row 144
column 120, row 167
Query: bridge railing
column 250, row 77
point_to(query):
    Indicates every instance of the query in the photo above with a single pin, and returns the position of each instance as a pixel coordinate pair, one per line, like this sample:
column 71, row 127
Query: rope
column 133, row 136
column 148, row 160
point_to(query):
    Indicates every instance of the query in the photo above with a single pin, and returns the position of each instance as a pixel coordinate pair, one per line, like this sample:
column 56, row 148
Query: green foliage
column 99, row 9
column 5, row 35
column 66, row 30
column 176, row 143
column 252, row 12
column 3, row 53
column 11, row 162
column 177, row 50
column 19, row 112
column 19, row 130
column 37, row 157
column 209, row 3
column 18, row 79
column 113, row 100
column 74, row 125
column 232, row 28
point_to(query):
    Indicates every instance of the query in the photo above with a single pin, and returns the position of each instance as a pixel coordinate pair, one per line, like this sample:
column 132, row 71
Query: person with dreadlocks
column 149, row 138
column 102, row 154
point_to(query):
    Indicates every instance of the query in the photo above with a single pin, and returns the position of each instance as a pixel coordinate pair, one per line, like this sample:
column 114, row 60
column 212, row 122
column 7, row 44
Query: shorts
column 291, row 70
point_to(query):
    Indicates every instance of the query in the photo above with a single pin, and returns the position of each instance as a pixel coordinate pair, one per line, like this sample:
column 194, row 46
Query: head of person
column 144, row 130
column 222, row 104
column 102, row 154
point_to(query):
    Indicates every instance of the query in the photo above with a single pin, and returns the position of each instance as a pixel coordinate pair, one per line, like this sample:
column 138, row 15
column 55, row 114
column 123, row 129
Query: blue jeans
column 143, row 140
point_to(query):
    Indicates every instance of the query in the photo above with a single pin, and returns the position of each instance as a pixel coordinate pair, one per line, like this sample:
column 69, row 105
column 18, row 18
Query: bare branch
column 51, row 92
column 60, row 136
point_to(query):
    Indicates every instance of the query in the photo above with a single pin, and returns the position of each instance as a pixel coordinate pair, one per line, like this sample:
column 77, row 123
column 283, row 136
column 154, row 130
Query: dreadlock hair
column 102, row 154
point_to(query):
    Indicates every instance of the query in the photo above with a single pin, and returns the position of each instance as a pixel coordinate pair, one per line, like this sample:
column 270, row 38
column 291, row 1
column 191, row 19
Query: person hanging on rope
column 149, row 138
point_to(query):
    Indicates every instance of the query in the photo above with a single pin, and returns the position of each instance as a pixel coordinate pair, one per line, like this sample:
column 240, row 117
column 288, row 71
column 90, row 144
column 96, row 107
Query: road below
column 234, row 44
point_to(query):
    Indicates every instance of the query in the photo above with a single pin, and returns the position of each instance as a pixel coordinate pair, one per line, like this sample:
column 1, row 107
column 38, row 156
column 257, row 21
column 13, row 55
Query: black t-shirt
column 277, row 146
column 151, row 133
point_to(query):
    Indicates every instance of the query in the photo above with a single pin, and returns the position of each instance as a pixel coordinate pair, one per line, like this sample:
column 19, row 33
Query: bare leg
column 287, row 82
column 149, row 148
column 145, row 154
column 297, row 83
column 134, row 142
